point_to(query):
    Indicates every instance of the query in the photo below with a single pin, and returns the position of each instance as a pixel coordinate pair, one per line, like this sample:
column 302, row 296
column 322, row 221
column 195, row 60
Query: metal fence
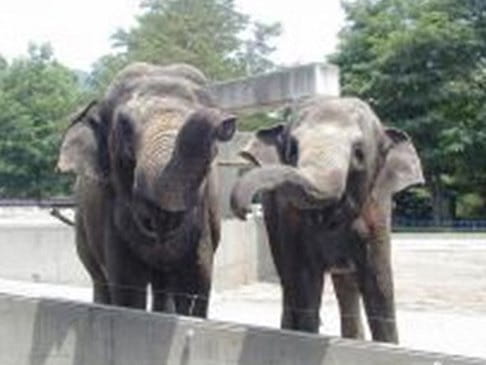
column 454, row 225
column 231, row 173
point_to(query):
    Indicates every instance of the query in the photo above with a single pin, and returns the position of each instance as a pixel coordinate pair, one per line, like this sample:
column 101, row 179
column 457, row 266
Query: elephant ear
column 80, row 147
column 402, row 167
column 264, row 148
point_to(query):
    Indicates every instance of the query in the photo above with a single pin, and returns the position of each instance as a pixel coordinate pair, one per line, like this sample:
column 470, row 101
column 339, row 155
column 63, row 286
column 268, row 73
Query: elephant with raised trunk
column 145, row 160
column 326, row 181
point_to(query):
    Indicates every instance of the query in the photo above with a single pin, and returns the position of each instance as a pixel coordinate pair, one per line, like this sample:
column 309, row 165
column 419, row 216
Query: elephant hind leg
column 348, row 297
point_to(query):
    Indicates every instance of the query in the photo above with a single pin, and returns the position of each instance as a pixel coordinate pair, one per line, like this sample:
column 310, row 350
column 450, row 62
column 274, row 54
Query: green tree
column 255, row 53
column 36, row 96
column 3, row 64
column 208, row 34
column 104, row 69
column 421, row 65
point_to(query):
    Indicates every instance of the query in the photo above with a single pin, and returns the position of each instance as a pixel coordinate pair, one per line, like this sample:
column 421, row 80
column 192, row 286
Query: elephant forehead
column 341, row 111
column 316, row 135
column 155, row 109
column 164, row 120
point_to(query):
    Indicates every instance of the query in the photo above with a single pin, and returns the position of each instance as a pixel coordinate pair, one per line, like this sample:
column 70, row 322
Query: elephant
column 145, row 160
column 326, row 181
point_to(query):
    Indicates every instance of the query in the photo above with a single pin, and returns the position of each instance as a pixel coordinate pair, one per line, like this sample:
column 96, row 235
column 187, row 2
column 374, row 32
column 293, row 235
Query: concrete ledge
column 45, row 332
column 277, row 88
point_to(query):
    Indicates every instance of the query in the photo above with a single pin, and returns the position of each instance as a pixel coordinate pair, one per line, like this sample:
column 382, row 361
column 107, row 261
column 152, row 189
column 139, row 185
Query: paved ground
column 440, row 289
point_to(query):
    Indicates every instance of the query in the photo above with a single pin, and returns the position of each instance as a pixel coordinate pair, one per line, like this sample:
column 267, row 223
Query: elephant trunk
column 319, row 182
column 299, row 189
column 176, row 166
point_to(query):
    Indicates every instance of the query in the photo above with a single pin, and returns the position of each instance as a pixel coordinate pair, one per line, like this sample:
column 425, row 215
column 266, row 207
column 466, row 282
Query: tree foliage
column 36, row 96
column 209, row 34
column 254, row 53
column 422, row 65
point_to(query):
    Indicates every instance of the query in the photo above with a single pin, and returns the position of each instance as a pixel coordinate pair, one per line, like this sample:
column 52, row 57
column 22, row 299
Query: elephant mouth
column 328, row 218
column 334, row 216
column 162, row 239
column 157, row 224
column 320, row 216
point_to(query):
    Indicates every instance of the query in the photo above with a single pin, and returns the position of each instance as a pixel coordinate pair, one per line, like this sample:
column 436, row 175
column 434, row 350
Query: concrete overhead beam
column 277, row 88
column 53, row 332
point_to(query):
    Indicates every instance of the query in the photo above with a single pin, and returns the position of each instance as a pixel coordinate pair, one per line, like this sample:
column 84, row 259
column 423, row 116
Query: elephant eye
column 148, row 224
column 358, row 154
column 174, row 220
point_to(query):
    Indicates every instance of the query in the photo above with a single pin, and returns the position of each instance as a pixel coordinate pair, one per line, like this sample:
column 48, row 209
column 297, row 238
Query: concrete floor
column 440, row 290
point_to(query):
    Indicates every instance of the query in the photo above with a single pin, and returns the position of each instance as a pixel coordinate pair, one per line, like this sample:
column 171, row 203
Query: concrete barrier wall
column 277, row 88
column 44, row 251
column 52, row 332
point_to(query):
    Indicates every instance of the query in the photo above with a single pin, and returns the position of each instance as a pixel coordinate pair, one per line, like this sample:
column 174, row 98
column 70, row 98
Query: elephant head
column 330, row 158
column 163, row 170
column 153, row 139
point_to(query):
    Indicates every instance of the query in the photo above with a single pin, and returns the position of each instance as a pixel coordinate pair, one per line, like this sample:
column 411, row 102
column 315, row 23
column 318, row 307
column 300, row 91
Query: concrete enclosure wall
column 44, row 251
column 277, row 88
column 52, row 332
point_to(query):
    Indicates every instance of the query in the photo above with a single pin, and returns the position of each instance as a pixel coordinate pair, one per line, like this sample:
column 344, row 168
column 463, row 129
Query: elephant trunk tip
column 63, row 165
column 249, row 158
column 240, row 202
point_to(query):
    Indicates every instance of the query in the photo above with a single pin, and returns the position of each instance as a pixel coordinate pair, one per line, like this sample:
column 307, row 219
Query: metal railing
column 65, row 202
column 458, row 225
column 53, row 204
column 399, row 224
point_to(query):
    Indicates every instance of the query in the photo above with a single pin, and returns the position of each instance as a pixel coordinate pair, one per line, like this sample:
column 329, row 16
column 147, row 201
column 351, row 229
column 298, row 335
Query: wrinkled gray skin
column 147, row 204
column 327, row 181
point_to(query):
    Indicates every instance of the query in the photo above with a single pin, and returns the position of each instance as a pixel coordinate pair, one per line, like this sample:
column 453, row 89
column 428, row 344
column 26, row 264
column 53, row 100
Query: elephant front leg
column 348, row 297
column 192, row 290
column 376, row 285
column 193, row 304
column 128, row 285
column 302, row 294
column 162, row 297
column 127, row 276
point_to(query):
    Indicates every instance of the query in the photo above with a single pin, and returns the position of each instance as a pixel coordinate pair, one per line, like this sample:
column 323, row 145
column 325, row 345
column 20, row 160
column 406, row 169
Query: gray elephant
column 145, row 161
column 326, row 181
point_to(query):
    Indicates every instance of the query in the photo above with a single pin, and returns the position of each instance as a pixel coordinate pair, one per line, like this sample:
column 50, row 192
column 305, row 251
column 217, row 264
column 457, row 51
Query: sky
column 79, row 31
